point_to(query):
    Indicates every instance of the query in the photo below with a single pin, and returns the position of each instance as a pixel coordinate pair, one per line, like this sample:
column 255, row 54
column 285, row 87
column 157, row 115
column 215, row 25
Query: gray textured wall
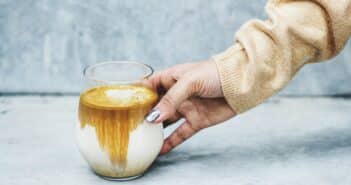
column 44, row 44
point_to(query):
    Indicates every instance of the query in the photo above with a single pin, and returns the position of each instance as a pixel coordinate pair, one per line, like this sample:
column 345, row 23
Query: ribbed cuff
column 227, row 63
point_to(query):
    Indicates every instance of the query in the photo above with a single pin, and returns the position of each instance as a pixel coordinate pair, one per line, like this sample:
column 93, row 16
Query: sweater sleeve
column 267, row 54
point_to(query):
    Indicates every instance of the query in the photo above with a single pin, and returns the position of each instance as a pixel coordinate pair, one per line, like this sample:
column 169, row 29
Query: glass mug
column 113, row 136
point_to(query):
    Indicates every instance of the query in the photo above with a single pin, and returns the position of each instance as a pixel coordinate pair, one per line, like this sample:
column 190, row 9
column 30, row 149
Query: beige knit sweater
column 267, row 54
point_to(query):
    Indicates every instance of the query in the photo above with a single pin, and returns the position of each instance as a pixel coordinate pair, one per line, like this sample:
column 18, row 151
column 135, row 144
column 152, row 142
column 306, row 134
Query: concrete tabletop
column 284, row 141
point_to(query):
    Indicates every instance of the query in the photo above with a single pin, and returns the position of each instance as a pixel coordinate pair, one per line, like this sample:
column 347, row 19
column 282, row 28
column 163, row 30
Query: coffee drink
column 112, row 134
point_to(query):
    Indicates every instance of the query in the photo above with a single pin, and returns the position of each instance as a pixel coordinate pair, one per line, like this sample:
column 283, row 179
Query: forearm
column 267, row 54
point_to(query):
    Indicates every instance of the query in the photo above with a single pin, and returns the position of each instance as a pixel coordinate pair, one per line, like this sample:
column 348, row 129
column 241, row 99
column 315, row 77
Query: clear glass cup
column 112, row 135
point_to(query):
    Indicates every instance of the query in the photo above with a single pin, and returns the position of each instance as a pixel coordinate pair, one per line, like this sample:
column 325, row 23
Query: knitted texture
column 267, row 54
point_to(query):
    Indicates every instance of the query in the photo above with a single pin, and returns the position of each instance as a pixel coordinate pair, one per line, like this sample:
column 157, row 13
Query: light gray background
column 45, row 44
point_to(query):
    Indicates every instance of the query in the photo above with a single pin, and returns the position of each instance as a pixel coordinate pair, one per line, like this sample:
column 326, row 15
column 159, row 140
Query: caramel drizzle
column 113, row 127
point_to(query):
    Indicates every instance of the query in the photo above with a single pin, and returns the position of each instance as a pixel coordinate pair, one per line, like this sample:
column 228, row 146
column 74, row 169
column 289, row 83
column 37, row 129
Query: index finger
column 161, row 80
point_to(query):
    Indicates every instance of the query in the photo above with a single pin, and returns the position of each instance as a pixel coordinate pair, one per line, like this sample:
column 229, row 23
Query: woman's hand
column 191, row 91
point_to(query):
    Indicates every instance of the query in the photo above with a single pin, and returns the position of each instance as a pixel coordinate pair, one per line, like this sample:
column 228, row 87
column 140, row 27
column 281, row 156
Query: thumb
column 169, row 103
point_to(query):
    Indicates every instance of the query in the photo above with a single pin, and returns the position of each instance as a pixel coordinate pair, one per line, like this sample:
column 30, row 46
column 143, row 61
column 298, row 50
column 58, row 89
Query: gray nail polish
column 153, row 115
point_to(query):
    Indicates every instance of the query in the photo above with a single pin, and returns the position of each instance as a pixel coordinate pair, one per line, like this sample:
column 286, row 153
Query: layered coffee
column 112, row 135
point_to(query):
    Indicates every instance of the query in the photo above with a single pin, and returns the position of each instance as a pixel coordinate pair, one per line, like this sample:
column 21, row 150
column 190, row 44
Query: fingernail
column 153, row 115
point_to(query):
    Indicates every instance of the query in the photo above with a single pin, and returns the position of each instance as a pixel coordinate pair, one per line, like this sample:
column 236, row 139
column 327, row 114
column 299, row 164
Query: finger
column 163, row 79
column 169, row 103
column 182, row 133
column 176, row 117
